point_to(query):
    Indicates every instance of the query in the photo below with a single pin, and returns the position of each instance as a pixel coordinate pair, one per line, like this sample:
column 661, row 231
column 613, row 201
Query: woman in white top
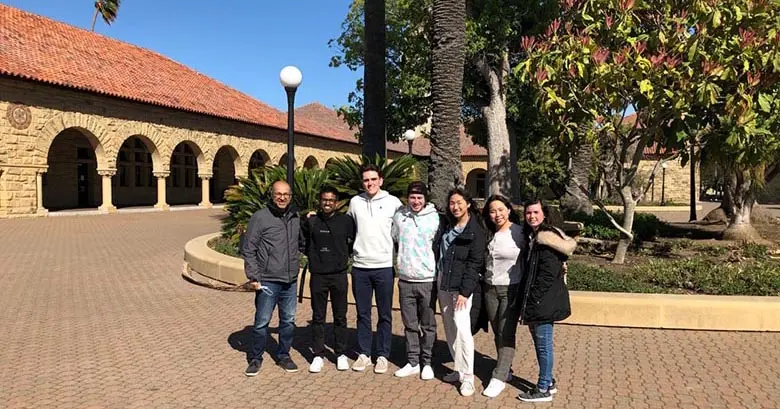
column 503, row 272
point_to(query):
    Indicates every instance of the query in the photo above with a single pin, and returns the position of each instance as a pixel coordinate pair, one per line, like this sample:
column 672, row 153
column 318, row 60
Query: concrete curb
column 672, row 311
column 667, row 311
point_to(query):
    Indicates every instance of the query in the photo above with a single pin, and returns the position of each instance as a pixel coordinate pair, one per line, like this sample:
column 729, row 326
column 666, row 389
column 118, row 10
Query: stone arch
column 476, row 183
column 330, row 161
column 311, row 163
column 226, row 168
column 153, row 139
column 72, row 178
column 88, row 125
column 187, row 165
column 259, row 159
column 283, row 161
column 137, row 161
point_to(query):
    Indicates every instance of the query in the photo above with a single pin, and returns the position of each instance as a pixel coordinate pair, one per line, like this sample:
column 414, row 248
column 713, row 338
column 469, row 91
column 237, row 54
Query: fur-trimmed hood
column 557, row 240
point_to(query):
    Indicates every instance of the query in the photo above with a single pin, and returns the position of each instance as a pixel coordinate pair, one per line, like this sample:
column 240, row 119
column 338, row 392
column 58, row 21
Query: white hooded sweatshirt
column 374, row 219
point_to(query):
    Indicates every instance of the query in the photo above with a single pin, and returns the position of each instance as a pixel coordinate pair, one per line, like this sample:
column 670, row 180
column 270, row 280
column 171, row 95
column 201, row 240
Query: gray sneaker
column 381, row 365
column 361, row 363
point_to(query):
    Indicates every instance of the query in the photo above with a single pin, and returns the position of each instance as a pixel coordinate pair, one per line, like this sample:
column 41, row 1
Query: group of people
column 515, row 268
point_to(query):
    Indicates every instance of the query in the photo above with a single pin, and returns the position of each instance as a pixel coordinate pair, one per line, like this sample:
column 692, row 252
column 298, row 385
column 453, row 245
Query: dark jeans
column 320, row 286
column 282, row 294
column 364, row 282
column 503, row 316
column 419, row 317
column 543, row 344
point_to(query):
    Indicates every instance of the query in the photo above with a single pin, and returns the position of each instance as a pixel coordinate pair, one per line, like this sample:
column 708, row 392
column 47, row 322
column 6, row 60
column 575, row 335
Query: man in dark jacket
column 270, row 252
column 328, row 239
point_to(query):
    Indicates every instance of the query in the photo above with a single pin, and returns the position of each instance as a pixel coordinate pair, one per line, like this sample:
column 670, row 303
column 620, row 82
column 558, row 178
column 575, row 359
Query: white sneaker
column 316, row 364
column 427, row 373
column 342, row 363
column 467, row 388
column 452, row 377
column 494, row 388
column 361, row 363
column 407, row 370
column 381, row 365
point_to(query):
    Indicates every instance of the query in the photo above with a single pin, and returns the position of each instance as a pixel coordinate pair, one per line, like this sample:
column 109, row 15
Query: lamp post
column 290, row 77
column 663, row 184
column 410, row 136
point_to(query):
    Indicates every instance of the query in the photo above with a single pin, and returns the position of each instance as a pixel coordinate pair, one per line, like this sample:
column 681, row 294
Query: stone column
column 107, row 206
column 204, row 186
column 162, row 202
column 41, row 211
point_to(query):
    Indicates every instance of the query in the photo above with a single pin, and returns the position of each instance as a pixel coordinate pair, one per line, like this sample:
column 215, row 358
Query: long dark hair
column 527, row 229
column 473, row 209
column 513, row 216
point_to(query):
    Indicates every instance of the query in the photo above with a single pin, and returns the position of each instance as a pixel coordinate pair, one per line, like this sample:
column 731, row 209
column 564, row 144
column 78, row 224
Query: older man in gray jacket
column 270, row 252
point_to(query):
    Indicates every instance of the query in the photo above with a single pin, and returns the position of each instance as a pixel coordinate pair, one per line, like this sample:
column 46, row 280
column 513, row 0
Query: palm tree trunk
column 374, row 79
column 94, row 18
column 449, row 47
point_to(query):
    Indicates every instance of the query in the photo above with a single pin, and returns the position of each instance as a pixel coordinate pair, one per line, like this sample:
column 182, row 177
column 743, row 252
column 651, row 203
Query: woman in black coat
column 544, row 299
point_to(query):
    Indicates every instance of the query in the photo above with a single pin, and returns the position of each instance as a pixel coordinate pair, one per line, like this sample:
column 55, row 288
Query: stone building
column 91, row 122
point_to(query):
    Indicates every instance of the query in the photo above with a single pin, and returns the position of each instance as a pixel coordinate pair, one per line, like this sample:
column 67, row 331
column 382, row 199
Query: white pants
column 457, row 327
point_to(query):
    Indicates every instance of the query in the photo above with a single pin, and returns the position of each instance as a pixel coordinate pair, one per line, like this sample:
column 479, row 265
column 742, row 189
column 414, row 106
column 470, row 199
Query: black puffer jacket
column 465, row 258
column 545, row 297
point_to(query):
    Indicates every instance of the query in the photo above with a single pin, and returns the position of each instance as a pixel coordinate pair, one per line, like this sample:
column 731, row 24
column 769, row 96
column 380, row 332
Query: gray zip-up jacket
column 271, row 245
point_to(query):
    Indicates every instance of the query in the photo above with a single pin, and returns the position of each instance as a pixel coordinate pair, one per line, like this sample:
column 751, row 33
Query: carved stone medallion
column 19, row 116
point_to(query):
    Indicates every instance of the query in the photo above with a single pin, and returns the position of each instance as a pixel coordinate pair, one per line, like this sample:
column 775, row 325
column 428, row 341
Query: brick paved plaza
column 94, row 313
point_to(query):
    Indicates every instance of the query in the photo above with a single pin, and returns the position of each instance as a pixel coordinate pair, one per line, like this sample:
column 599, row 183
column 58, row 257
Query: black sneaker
column 254, row 367
column 553, row 388
column 288, row 365
column 535, row 395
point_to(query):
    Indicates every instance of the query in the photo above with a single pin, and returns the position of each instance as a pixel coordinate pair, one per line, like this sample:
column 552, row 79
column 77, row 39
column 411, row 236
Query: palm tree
column 374, row 79
column 106, row 8
column 449, row 52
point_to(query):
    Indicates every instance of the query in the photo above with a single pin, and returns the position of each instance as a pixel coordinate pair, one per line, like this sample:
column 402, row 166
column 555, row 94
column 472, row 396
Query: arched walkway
column 259, row 159
column 476, row 183
column 311, row 163
column 183, row 184
column 134, row 183
column 283, row 161
column 226, row 161
column 72, row 180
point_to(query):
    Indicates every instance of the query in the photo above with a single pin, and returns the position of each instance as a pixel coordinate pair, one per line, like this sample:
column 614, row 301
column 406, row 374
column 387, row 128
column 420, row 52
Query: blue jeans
column 542, row 335
column 364, row 283
column 283, row 294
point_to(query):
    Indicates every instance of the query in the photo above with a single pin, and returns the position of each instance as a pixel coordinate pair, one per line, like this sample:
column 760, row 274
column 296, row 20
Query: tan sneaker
column 381, row 365
column 361, row 363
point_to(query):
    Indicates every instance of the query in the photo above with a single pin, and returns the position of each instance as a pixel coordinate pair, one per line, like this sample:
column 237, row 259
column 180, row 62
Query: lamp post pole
column 663, row 184
column 290, row 134
column 290, row 77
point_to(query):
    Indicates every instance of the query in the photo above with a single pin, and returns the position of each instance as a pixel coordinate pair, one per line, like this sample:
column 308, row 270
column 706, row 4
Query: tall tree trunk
column 499, row 147
column 449, row 47
column 94, row 18
column 629, row 208
column 374, row 79
column 574, row 200
column 739, row 183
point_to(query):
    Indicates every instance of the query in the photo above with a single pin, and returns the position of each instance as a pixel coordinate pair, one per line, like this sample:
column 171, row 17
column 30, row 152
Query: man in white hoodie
column 414, row 228
column 372, row 266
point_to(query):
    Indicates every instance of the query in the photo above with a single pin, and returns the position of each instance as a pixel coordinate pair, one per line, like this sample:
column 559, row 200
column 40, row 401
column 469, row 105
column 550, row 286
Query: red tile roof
column 334, row 125
column 40, row 49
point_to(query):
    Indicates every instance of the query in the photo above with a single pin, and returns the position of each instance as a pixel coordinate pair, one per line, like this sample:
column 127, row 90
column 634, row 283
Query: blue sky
column 242, row 43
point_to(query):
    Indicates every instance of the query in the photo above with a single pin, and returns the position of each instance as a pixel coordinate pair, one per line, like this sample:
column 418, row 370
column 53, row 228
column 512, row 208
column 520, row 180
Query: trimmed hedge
column 646, row 226
column 758, row 277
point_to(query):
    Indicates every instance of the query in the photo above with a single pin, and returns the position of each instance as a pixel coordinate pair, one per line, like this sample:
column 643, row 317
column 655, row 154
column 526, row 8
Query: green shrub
column 598, row 226
column 695, row 275
column 225, row 245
